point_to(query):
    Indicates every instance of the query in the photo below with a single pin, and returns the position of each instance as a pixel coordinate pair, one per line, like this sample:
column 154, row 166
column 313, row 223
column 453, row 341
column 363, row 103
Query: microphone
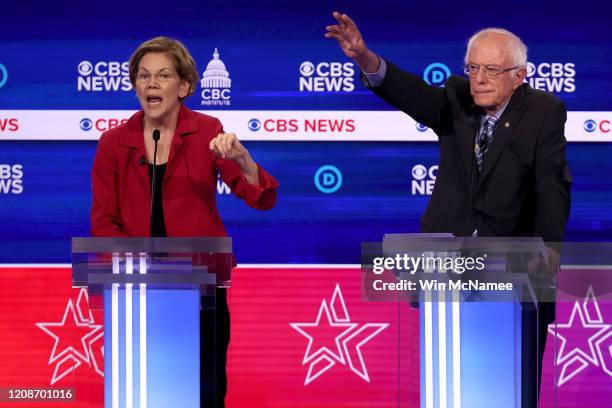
column 156, row 136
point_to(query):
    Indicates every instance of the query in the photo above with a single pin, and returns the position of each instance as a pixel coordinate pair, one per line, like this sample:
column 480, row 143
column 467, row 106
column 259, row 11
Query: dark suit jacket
column 524, row 187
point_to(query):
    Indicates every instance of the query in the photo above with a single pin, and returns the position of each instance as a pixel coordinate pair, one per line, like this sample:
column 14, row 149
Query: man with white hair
column 502, row 168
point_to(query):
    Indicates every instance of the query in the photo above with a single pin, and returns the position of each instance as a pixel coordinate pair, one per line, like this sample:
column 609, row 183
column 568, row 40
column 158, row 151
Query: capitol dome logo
column 216, row 83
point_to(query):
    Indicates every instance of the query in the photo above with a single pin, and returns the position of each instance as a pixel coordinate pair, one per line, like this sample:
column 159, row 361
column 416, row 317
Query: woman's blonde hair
column 184, row 63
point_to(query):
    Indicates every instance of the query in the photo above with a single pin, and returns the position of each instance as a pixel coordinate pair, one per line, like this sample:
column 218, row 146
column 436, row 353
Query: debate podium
column 479, row 345
column 152, row 290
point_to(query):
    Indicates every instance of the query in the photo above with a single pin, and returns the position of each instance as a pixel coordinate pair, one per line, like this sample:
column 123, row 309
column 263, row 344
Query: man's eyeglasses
column 163, row 76
column 491, row 71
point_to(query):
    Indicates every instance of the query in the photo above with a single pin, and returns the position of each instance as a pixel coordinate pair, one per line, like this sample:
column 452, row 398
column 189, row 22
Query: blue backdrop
column 50, row 54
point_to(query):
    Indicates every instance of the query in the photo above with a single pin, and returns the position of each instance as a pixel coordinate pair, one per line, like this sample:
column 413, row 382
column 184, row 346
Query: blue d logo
column 436, row 74
column 3, row 75
column 328, row 179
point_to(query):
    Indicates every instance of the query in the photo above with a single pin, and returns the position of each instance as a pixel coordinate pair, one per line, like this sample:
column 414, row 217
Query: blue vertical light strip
column 442, row 351
column 114, row 350
column 173, row 348
column 122, row 347
column 142, row 335
column 426, row 347
column 488, row 355
column 114, row 323
column 470, row 353
column 448, row 345
column 518, row 356
column 158, row 364
column 435, row 352
column 455, row 328
column 136, row 345
column 108, row 349
column 129, row 338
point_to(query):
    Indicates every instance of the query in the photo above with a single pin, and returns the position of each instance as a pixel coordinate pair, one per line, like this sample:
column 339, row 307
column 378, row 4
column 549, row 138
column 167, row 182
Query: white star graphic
column 336, row 317
column 68, row 358
column 572, row 358
column 82, row 354
column 563, row 354
column 337, row 354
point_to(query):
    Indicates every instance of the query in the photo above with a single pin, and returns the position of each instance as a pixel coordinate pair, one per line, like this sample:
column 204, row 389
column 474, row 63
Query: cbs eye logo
column 85, row 68
column 591, row 126
column 307, row 68
column 423, row 179
column 254, row 125
column 86, row 124
column 419, row 172
column 421, row 127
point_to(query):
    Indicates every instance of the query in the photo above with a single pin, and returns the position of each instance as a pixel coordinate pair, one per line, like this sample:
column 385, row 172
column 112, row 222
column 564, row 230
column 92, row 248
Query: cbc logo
column 421, row 127
column 328, row 179
column 436, row 74
column 423, row 179
column 254, row 125
column 591, row 126
column 3, row 75
column 216, row 83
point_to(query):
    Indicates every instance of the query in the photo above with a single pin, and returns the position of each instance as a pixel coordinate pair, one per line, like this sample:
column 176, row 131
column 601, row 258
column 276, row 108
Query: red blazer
column 122, row 188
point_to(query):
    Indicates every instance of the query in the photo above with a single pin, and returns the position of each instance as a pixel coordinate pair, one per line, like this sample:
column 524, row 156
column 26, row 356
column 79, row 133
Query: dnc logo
column 436, row 74
column 328, row 179
column 3, row 75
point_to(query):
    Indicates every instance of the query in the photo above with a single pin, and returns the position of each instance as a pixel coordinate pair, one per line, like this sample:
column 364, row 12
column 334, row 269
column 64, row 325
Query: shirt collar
column 497, row 115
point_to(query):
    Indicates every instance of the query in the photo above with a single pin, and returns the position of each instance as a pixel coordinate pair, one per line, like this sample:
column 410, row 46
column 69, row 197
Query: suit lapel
column 134, row 140
column 466, row 125
column 466, row 131
column 503, row 132
column 186, row 125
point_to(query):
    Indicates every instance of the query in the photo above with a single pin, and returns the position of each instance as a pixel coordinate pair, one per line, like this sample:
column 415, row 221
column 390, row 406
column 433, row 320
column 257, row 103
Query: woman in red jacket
column 192, row 151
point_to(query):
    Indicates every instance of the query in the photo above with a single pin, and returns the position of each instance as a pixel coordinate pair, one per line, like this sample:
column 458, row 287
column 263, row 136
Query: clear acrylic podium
column 478, row 346
column 152, row 290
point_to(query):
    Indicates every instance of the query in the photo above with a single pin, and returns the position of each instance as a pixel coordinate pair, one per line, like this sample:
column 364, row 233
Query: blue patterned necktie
column 484, row 140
